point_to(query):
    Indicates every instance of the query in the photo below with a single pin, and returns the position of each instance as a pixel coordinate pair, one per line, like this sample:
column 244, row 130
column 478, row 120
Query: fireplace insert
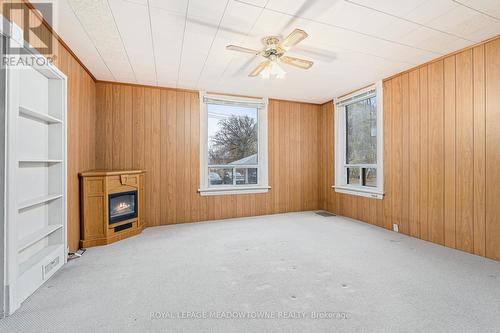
column 122, row 206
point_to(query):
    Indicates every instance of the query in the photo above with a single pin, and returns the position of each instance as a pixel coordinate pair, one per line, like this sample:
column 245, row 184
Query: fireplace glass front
column 122, row 206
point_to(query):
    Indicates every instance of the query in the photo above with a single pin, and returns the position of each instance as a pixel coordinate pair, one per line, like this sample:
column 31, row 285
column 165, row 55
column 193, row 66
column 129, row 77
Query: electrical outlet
column 395, row 227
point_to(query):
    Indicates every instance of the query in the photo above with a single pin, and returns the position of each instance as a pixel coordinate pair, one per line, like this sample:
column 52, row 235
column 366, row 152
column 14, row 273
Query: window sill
column 364, row 192
column 233, row 190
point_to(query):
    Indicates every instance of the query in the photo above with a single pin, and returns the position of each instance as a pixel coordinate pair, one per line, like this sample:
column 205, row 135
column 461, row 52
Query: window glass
column 232, row 145
column 361, row 132
column 246, row 176
column 220, row 176
column 370, row 177
column 353, row 176
column 232, row 135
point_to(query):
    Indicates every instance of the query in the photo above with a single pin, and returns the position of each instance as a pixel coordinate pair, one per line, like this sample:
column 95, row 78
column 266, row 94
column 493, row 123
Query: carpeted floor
column 224, row 276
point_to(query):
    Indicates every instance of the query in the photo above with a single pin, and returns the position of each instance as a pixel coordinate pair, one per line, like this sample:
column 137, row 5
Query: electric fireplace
column 122, row 206
column 112, row 206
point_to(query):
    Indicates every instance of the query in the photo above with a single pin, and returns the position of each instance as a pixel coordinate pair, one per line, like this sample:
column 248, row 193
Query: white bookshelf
column 36, row 228
column 27, row 113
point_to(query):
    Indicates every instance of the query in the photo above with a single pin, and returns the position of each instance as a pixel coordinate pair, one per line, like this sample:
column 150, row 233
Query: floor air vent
column 325, row 213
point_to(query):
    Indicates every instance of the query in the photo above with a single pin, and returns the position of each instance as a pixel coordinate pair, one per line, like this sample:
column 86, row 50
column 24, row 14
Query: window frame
column 262, row 185
column 340, row 126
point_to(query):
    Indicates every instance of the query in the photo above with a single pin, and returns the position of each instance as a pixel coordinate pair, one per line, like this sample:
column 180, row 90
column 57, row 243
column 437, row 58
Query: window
column 359, row 143
column 233, row 141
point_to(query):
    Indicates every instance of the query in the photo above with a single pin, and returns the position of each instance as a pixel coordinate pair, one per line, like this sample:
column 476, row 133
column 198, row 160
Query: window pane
column 370, row 177
column 361, row 128
column 220, row 176
column 246, row 176
column 353, row 176
column 232, row 135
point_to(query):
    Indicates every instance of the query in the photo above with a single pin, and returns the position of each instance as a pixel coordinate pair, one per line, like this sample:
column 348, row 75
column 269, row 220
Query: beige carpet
column 267, row 274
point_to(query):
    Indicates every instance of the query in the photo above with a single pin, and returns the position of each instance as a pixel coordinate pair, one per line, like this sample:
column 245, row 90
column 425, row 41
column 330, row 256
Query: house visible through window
column 358, row 152
column 234, row 140
column 232, row 145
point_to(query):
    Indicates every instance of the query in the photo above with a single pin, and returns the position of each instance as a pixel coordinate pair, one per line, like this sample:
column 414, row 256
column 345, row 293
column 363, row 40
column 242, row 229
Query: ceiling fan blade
column 293, row 38
column 259, row 68
column 297, row 62
column 242, row 49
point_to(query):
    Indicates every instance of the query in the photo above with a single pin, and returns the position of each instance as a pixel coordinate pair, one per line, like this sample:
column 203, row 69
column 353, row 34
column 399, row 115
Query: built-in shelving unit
column 37, row 201
column 39, row 161
column 27, row 113
column 36, row 258
column 37, row 236
column 35, row 175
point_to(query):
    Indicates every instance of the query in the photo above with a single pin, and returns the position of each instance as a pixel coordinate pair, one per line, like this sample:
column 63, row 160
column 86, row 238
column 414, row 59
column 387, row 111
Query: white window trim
column 262, row 185
column 341, row 185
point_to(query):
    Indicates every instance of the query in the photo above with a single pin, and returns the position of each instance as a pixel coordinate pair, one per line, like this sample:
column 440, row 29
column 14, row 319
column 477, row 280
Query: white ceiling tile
column 351, row 45
column 238, row 21
column 395, row 29
column 491, row 7
column 139, row 2
column 303, row 8
column 258, row 3
column 168, row 30
column 136, row 37
column 395, row 7
column 235, row 28
column 209, row 11
column 191, row 67
column 455, row 45
column 462, row 21
column 430, row 10
column 486, row 32
column 429, row 39
column 66, row 24
column 175, row 6
column 354, row 17
column 199, row 38
column 273, row 24
column 97, row 19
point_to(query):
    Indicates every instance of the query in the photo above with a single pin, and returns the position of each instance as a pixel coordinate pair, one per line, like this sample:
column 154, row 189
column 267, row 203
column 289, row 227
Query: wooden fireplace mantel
column 95, row 188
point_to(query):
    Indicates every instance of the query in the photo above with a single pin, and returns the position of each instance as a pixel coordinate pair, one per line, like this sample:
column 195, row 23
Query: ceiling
column 181, row 43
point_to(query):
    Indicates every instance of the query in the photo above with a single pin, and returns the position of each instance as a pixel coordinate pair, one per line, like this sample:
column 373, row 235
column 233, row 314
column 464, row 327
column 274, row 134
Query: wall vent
column 47, row 268
column 123, row 227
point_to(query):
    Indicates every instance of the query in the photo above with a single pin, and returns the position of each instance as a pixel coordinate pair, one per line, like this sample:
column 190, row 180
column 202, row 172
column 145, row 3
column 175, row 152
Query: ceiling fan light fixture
column 273, row 70
column 265, row 74
column 273, row 51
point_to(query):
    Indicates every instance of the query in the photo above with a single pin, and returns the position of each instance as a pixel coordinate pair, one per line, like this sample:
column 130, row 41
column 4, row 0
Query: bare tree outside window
column 232, row 145
column 236, row 138
column 361, row 141
column 361, row 121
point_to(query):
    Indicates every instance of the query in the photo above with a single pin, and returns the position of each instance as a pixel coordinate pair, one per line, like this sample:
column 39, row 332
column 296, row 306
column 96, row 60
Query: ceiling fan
column 274, row 52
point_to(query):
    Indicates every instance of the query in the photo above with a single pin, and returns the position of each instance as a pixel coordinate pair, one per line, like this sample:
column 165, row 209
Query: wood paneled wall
column 81, row 119
column 441, row 151
column 157, row 129
column 441, row 154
